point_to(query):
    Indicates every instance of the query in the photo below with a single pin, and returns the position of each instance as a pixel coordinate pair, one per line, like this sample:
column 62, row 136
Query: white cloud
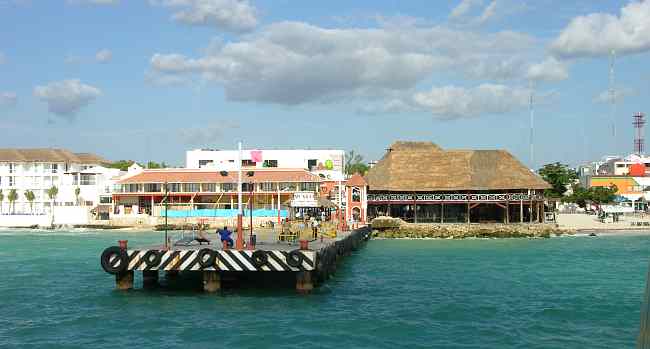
column 451, row 102
column 103, row 56
column 229, row 15
column 8, row 99
column 618, row 95
column 66, row 97
column 464, row 7
column 548, row 70
column 597, row 34
column 293, row 62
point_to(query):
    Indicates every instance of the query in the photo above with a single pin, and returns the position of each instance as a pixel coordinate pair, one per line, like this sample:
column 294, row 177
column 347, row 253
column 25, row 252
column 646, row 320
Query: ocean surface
column 570, row 292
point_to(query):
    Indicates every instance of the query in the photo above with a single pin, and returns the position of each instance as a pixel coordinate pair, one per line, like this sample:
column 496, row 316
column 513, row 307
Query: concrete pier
column 312, row 263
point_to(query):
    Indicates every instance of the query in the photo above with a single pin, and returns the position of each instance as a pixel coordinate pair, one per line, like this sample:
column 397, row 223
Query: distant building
column 189, row 193
column 420, row 182
column 327, row 163
column 40, row 169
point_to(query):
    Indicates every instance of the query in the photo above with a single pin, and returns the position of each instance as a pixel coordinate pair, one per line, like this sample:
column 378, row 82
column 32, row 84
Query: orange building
column 625, row 184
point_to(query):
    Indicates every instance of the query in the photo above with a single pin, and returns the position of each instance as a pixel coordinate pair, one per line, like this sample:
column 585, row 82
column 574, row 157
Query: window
column 132, row 188
column 287, row 186
column 228, row 187
column 311, row 164
column 12, row 181
column 174, row 187
column 153, row 187
column 208, row 187
column 203, row 163
column 620, row 165
column 87, row 179
column 356, row 194
column 248, row 163
column 308, row 186
column 247, row 187
column 268, row 186
column 270, row 163
column 105, row 199
column 55, row 168
column 89, row 203
column 192, row 187
column 12, row 167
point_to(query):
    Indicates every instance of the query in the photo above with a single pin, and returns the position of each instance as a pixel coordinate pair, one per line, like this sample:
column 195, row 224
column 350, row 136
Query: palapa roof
column 48, row 155
column 423, row 166
column 214, row 176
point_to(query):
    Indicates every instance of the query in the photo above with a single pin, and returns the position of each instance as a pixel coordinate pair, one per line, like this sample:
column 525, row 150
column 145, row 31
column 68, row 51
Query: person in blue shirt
column 224, row 234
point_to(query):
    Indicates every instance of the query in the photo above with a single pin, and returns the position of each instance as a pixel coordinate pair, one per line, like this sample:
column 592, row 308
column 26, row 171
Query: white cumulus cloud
column 548, row 70
column 451, row 102
column 228, row 15
column 67, row 97
column 103, row 56
column 617, row 95
column 8, row 99
column 295, row 62
column 598, row 34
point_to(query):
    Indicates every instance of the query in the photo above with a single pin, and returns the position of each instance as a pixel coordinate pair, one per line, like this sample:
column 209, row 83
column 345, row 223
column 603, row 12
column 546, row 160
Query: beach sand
column 583, row 222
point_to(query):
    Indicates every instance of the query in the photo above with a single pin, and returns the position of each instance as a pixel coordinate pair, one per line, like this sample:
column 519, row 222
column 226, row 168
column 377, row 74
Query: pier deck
column 314, row 263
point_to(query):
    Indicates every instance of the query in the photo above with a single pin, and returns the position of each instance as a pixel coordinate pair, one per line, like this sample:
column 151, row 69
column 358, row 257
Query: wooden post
column 124, row 280
column 150, row 278
column 442, row 212
column 415, row 209
column 538, row 220
column 506, row 219
column 468, row 210
column 211, row 281
column 521, row 211
column 643, row 341
column 304, row 283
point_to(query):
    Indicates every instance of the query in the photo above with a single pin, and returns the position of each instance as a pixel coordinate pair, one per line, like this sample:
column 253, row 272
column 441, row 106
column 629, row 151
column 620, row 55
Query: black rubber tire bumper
column 114, row 260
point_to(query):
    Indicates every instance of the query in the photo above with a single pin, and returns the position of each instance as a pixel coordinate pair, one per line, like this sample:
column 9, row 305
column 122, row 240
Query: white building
column 38, row 170
column 327, row 163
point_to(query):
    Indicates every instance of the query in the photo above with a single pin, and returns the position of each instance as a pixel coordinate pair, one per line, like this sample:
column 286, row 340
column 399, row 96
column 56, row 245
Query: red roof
column 203, row 176
column 356, row 180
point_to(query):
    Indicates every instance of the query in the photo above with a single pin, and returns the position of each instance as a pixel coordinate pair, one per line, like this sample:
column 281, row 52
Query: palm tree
column 13, row 196
column 77, row 191
column 52, row 193
column 29, row 195
column 2, row 198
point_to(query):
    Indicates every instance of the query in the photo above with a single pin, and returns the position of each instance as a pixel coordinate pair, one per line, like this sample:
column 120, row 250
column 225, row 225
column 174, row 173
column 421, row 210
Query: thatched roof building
column 425, row 167
column 48, row 155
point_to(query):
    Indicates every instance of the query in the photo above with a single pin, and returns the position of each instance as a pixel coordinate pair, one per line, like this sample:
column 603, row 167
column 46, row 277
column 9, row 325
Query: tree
column 603, row 195
column 559, row 176
column 52, row 193
column 123, row 165
column 29, row 195
column 2, row 198
column 354, row 164
column 12, row 197
column 77, row 191
column 153, row 164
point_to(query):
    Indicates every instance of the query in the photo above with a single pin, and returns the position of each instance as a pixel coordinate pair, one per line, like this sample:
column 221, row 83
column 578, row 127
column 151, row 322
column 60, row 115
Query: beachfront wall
column 421, row 183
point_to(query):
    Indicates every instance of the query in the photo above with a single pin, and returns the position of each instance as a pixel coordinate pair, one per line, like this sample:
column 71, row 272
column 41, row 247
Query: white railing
column 453, row 197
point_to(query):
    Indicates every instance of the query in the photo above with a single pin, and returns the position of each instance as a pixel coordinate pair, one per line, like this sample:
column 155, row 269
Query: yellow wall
column 625, row 185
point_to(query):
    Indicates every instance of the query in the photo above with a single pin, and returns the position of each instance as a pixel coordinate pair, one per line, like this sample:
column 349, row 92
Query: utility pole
column 239, row 244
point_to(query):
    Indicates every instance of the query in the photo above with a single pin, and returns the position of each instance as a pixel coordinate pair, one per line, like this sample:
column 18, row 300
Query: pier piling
column 124, row 280
column 304, row 283
column 150, row 278
column 211, row 281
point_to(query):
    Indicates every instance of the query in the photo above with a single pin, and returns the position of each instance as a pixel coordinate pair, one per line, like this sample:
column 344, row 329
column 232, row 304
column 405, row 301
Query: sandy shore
column 584, row 222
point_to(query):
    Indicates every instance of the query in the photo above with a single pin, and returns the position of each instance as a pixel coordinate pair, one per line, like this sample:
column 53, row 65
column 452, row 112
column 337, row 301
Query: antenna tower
column 639, row 121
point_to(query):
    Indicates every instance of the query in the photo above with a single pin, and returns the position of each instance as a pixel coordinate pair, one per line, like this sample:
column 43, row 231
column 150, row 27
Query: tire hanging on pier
column 210, row 261
column 152, row 258
column 114, row 260
column 294, row 258
column 260, row 258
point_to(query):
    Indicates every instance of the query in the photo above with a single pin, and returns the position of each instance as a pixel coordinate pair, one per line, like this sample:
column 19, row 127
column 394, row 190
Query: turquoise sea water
column 573, row 292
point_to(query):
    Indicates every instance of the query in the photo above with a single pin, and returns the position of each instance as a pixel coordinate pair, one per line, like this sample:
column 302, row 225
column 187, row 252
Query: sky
column 150, row 79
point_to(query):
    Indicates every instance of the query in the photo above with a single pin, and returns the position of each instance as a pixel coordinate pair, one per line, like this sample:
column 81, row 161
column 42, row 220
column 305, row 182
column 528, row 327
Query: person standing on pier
column 224, row 234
